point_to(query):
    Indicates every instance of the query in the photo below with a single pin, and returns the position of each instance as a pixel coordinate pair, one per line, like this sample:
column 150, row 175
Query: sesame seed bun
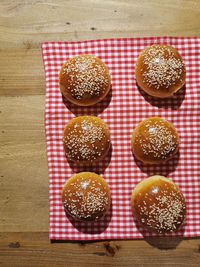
column 158, row 204
column 86, row 139
column 86, row 196
column 154, row 140
column 84, row 80
column 160, row 71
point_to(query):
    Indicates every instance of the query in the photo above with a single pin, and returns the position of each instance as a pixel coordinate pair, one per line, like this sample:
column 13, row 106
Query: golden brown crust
column 84, row 80
column 160, row 71
column 155, row 140
column 86, row 196
column 158, row 204
column 86, row 139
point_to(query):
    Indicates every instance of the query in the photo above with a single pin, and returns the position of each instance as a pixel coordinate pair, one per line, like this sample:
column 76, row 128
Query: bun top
column 159, row 204
column 84, row 80
column 86, row 196
column 154, row 140
column 86, row 139
column 160, row 70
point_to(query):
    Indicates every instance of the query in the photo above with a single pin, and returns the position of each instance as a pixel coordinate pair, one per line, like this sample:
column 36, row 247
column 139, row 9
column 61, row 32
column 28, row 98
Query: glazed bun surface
column 86, row 196
column 160, row 71
column 154, row 140
column 84, row 80
column 86, row 139
column 158, row 205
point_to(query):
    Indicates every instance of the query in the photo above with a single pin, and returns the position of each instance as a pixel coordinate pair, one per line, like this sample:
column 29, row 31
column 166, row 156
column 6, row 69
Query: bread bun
column 86, row 139
column 84, row 80
column 160, row 70
column 86, row 196
column 155, row 140
column 158, row 204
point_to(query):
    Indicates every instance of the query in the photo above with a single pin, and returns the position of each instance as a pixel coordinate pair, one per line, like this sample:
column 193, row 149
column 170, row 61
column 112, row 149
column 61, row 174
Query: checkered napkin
column 122, row 110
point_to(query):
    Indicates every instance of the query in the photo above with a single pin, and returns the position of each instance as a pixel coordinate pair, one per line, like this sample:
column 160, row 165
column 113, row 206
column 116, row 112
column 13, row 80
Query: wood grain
column 21, row 72
column 34, row 249
column 23, row 164
column 23, row 172
column 25, row 24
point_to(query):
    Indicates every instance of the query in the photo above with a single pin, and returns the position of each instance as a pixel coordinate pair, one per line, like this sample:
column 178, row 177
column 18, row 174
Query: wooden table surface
column 23, row 164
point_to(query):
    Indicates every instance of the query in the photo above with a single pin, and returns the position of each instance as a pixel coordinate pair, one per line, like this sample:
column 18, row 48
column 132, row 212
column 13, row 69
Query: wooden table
column 23, row 164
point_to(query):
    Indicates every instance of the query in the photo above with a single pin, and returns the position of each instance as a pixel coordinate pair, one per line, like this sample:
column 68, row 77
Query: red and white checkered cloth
column 126, row 109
